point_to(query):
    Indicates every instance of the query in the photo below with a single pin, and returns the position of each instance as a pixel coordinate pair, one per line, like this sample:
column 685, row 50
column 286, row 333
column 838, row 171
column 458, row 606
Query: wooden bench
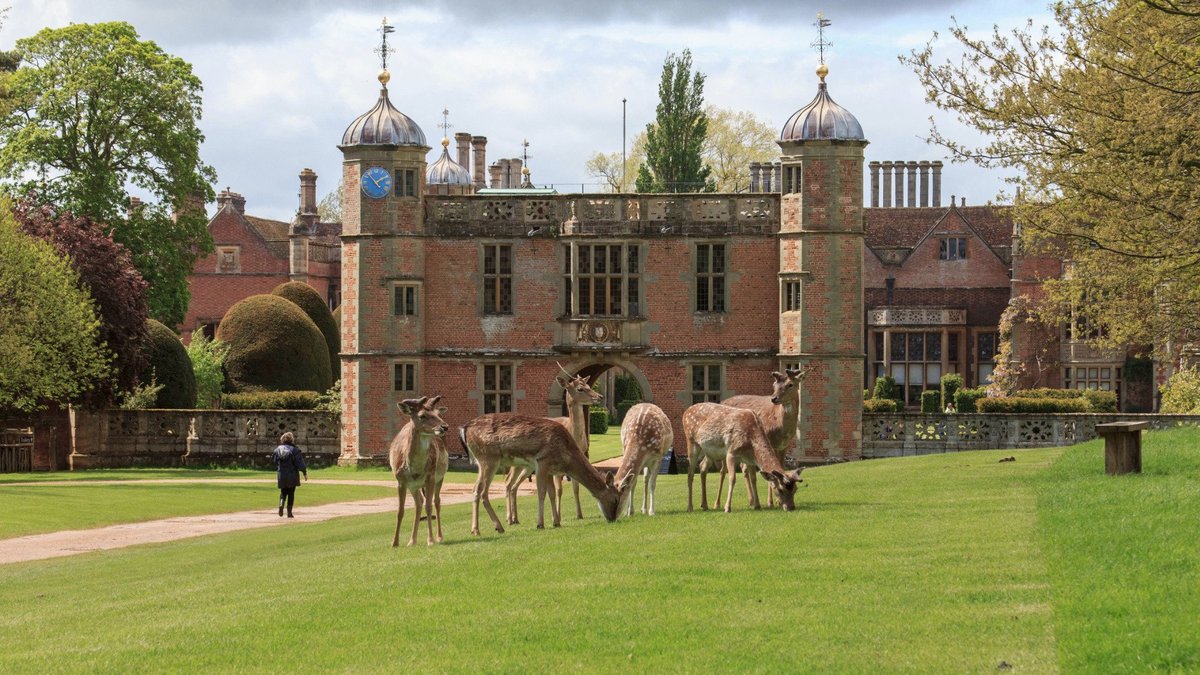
column 1122, row 446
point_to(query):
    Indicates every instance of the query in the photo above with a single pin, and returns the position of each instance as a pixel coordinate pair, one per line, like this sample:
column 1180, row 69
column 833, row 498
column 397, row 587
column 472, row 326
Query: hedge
column 598, row 420
column 886, row 388
column 1097, row 400
column 880, row 405
column 273, row 346
column 311, row 303
column 951, row 383
column 271, row 400
column 623, row 408
column 931, row 401
column 965, row 399
column 1017, row 404
column 168, row 364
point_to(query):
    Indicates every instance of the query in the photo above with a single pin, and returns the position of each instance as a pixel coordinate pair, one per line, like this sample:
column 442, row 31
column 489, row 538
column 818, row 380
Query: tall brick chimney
column 924, row 165
column 227, row 196
column 874, row 169
column 887, row 184
column 479, row 146
column 462, row 142
column 937, row 183
column 494, row 175
column 308, row 192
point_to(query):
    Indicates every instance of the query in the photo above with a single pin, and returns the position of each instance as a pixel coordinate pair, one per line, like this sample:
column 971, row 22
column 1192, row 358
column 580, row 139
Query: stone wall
column 898, row 434
column 51, row 436
column 171, row 438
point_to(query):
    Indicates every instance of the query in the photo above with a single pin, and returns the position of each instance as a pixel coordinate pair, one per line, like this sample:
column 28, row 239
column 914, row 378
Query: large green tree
column 94, row 113
column 675, row 140
column 1098, row 117
column 735, row 139
column 50, row 348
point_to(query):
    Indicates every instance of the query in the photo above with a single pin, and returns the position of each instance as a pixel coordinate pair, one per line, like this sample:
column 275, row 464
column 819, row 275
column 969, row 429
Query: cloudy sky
column 283, row 78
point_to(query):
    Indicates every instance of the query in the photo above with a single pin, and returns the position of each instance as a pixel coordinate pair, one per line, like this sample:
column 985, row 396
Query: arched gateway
column 478, row 295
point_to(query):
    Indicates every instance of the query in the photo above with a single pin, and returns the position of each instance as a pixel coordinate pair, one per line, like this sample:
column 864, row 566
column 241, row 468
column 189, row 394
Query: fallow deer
column 578, row 394
column 646, row 436
column 418, row 458
column 778, row 414
column 510, row 439
column 735, row 436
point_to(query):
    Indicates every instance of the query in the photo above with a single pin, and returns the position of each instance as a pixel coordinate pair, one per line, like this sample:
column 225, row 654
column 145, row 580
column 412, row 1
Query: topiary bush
column 168, row 365
column 598, row 420
column 965, row 399
column 271, row 400
column 273, row 346
column 886, row 387
column 308, row 300
column 951, row 383
column 1181, row 393
column 880, row 405
column 1017, row 404
column 623, row 408
column 931, row 401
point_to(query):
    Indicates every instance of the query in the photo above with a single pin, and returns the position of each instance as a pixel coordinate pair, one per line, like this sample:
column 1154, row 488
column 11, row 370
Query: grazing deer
column 418, row 458
column 578, row 394
column 510, row 439
column 645, row 437
column 778, row 414
column 719, row 431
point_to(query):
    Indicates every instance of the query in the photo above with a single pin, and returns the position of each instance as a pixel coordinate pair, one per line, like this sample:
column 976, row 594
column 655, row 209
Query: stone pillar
column 937, row 183
column 462, row 142
column 874, row 168
column 515, row 178
column 899, row 183
column 505, row 172
column 755, row 168
column 308, row 192
column 887, row 184
column 911, row 178
column 494, row 175
column 924, row 183
column 479, row 146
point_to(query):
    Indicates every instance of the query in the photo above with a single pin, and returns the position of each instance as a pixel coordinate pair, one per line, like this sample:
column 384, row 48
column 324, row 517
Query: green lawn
column 948, row 563
column 605, row 446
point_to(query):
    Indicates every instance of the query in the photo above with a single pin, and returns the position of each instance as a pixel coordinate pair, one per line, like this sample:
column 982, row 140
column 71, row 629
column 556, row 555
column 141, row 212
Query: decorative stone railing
column 602, row 215
column 896, row 434
column 168, row 438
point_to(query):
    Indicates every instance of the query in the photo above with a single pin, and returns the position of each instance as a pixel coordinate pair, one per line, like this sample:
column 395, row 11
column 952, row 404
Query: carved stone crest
column 599, row 332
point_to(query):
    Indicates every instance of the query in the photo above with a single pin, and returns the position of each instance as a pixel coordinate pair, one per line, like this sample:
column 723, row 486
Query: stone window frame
column 236, row 252
column 405, row 182
column 402, row 307
column 956, row 252
column 793, row 179
column 791, row 294
column 1101, row 376
column 414, row 373
column 499, row 276
column 706, row 393
column 709, row 278
column 632, row 288
column 491, row 399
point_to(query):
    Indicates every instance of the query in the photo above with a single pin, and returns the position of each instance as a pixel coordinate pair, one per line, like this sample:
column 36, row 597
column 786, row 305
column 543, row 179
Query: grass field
column 946, row 563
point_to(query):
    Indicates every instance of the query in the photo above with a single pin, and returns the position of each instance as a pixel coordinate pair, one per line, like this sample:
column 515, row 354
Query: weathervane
column 821, row 23
column 445, row 125
column 383, row 50
column 525, row 151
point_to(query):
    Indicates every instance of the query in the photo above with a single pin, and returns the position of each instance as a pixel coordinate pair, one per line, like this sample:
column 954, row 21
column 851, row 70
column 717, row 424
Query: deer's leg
column 437, row 505
column 400, row 492
column 511, row 481
column 731, row 467
column 418, row 499
column 556, row 502
column 578, row 506
column 632, row 493
column 752, row 487
column 704, row 485
column 651, row 486
column 429, row 511
column 691, row 471
column 487, row 503
column 480, row 487
column 545, row 484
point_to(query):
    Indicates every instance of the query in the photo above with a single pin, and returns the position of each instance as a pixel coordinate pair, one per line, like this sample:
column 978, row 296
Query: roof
column 905, row 227
column 383, row 124
column 822, row 119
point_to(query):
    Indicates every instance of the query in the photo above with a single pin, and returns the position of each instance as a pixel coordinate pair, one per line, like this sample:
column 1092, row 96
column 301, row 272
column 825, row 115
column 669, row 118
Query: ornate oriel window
column 602, row 279
column 497, row 387
column 706, row 382
column 710, row 277
column 497, row 279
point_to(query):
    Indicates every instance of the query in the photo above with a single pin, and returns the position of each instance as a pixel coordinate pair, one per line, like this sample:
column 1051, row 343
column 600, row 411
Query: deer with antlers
column 778, row 413
column 508, row 439
column 419, row 458
column 716, row 432
column 646, row 436
column 578, row 394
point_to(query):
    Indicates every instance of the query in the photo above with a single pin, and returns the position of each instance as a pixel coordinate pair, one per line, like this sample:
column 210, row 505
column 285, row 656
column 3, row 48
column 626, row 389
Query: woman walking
column 289, row 464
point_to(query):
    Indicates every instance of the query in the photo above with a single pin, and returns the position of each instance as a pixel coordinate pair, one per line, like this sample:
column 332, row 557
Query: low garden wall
column 171, row 438
column 897, row 434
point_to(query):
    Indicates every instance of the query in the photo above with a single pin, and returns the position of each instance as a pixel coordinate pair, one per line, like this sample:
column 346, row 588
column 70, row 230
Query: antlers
column 794, row 373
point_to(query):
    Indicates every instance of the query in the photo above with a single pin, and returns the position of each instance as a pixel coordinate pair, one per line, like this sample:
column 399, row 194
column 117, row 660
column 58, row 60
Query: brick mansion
column 461, row 279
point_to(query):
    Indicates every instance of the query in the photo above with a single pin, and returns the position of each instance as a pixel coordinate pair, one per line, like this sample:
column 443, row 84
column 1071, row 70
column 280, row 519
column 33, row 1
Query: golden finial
column 822, row 71
column 524, row 171
column 384, row 77
column 445, row 142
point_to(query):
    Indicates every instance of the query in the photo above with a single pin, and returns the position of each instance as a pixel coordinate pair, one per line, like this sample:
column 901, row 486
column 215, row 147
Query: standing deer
column 735, row 435
column 645, row 437
column 578, row 394
column 418, row 458
column 509, row 439
column 778, row 414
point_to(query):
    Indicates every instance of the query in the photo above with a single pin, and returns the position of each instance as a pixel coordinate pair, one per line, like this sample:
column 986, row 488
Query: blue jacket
column 289, row 462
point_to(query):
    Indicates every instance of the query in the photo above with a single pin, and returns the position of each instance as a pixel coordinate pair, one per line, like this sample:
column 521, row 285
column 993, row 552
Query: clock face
column 376, row 182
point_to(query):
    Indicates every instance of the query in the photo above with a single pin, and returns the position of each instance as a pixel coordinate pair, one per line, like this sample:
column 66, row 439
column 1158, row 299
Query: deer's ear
column 408, row 406
column 778, row 475
column 608, row 479
column 562, row 381
column 778, row 376
column 433, row 401
column 795, row 475
column 766, row 476
column 794, row 372
column 625, row 482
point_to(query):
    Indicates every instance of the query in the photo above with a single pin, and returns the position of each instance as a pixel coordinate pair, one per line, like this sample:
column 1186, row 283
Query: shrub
column 623, row 408
column 1097, row 400
column 886, row 388
column 964, row 399
column 1101, row 401
column 1181, row 393
column 880, row 405
column 1017, row 404
column 142, row 396
column 866, row 394
column 331, row 401
column 208, row 360
column 1046, row 392
column 931, row 401
column 598, row 420
column 273, row 346
column 951, row 383
column 168, row 365
column 627, row 388
column 308, row 300
column 271, row 400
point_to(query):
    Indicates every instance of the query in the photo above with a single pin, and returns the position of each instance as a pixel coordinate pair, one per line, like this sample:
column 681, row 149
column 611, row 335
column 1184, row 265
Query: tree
column 50, row 350
column 735, row 139
column 1100, row 119
column 107, row 274
column 96, row 112
column 675, row 140
column 608, row 167
column 329, row 209
column 208, row 361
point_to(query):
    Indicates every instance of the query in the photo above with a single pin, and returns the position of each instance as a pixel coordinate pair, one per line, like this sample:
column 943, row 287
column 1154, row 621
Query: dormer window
column 953, row 248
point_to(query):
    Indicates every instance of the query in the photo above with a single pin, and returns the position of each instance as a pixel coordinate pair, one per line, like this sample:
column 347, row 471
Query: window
column 791, row 296
column 497, row 388
column 915, row 360
column 603, row 279
column 229, row 259
column 497, row 279
column 406, row 183
column 985, row 353
column 404, row 377
column 791, row 179
column 953, row 248
column 710, row 277
column 706, row 383
column 404, row 300
column 335, row 294
column 1105, row 378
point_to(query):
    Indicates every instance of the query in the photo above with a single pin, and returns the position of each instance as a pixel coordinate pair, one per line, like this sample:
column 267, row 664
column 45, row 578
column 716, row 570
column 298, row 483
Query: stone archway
column 592, row 368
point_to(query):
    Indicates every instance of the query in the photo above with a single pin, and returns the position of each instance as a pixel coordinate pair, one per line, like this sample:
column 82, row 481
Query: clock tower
column 383, row 171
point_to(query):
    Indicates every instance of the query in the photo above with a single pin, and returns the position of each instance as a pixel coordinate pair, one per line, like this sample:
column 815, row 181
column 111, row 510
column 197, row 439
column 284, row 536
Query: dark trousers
column 288, row 496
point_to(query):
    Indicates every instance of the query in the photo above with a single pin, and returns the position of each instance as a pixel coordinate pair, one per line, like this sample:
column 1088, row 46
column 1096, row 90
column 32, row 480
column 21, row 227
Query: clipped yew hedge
column 168, row 364
column 1017, row 404
column 271, row 400
column 273, row 346
column 311, row 303
column 877, row 405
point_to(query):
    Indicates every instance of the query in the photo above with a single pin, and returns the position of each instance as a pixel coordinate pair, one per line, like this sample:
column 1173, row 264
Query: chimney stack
column 755, row 171
column 479, row 145
column 227, row 196
column 924, row 189
column 308, row 192
column 899, row 183
column 462, row 141
column 874, row 167
column 494, row 174
column 887, row 184
column 937, row 183
column 911, row 178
